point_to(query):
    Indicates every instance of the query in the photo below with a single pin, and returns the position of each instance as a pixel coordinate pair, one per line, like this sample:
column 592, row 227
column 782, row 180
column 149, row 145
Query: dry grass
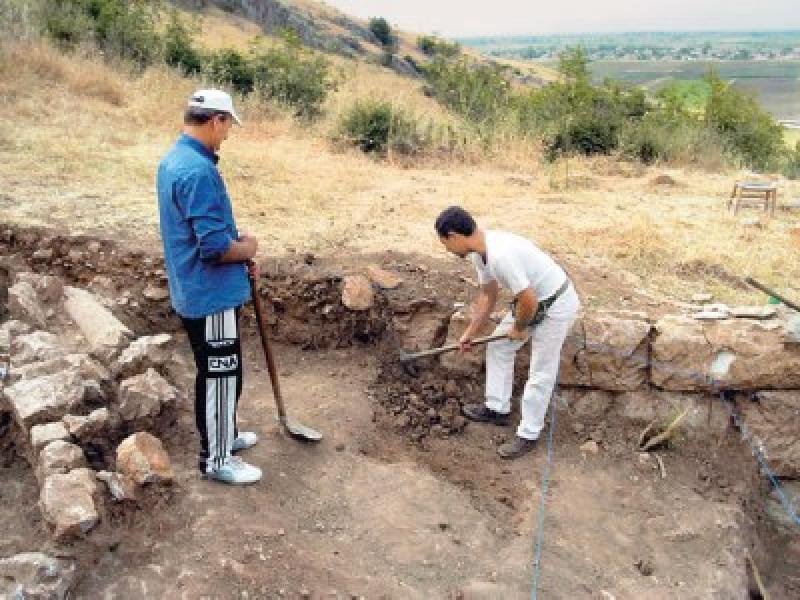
column 75, row 156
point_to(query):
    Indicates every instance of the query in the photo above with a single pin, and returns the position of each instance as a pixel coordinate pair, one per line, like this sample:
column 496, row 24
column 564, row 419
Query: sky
column 453, row 18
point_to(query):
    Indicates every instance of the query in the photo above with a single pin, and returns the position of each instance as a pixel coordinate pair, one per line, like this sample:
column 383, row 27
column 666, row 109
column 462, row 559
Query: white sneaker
column 243, row 441
column 235, row 471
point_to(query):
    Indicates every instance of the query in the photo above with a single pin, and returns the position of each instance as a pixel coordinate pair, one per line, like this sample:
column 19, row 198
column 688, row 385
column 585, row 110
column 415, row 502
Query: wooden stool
column 768, row 192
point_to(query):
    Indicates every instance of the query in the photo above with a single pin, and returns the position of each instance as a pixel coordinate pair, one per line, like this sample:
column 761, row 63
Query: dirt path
column 364, row 514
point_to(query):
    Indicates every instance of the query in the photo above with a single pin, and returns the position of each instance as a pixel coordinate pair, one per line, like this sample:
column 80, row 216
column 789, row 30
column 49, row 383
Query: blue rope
column 755, row 448
column 545, row 486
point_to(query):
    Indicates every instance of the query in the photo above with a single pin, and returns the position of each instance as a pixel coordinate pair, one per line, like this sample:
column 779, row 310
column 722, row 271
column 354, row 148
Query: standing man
column 206, row 259
column 545, row 305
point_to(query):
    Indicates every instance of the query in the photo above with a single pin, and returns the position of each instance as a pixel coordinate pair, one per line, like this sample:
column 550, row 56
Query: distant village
column 612, row 51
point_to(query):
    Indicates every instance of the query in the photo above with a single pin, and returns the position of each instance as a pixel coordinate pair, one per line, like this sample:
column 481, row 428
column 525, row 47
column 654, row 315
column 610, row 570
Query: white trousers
column 546, row 341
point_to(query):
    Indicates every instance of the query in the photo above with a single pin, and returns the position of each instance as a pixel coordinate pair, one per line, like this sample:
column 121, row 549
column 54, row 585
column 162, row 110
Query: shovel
column 293, row 429
column 407, row 358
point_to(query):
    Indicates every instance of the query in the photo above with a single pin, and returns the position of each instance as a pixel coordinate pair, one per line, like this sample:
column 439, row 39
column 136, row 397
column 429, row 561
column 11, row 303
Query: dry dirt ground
column 367, row 514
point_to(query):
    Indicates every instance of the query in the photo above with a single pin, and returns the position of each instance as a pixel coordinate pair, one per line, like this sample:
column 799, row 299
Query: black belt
column 544, row 305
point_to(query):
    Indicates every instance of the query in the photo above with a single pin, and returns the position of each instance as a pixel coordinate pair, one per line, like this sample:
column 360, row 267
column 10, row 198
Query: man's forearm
column 483, row 308
column 239, row 251
column 524, row 309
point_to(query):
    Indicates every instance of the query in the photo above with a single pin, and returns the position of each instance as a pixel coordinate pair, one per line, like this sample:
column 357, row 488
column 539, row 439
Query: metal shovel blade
column 301, row 432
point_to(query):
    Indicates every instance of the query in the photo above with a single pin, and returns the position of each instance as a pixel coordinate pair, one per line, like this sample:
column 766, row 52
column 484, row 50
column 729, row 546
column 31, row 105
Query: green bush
column 431, row 46
column 792, row 167
column 480, row 93
column 378, row 126
column 381, row 29
column 123, row 29
column 427, row 44
column 293, row 77
column 738, row 117
column 179, row 52
column 230, row 67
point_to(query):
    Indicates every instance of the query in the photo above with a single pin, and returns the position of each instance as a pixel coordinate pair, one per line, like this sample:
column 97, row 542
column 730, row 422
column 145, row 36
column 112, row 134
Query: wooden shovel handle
column 262, row 330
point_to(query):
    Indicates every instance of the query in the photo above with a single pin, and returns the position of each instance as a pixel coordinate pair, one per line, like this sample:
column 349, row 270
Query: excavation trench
column 701, row 500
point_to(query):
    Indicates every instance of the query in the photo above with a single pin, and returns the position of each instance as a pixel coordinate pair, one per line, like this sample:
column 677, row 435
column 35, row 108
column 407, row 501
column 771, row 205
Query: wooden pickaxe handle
column 451, row 347
column 766, row 290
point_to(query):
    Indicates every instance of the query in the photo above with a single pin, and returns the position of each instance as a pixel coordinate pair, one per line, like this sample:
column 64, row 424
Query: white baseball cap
column 214, row 100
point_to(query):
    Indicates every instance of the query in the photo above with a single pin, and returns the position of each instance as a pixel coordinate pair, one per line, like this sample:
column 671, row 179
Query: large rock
column 574, row 367
column 49, row 289
column 357, row 293
column 775, row 419
column 145, row 395
column 48, row 398
column 36, row 576
column 59, row 457
column 23, row 304
column 85, row 428
column 36, row 346
column 83, row 364
column 616, row 352
column 67, row 503
column 386, row 280
column 142, row 354
column 738, row 354
column 41, row 435
column 142, row 457
column 104, row 332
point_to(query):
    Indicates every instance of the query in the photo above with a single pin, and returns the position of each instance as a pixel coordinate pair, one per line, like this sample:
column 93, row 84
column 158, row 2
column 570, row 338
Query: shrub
column 124, row 29
column 179, row 52
column 381, row 29
column 478, row 92
column 430, row 46
column 378, row 126
column 230, row 67
column 738, row 117
column 293, row 77
column 792, row 167
column 427, row 44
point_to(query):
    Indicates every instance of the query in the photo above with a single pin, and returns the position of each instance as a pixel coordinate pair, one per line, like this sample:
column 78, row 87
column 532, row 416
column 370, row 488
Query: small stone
column 142, row 457
column 382, row 278
column 357, row 293
column 590, row 447
column 281, row 532
column 702, row 298
column 644, row 566
column 578, row 428
column 156, row 294
column 340, row 447
column 120, row 486
column 304, row 593
column 644, row 458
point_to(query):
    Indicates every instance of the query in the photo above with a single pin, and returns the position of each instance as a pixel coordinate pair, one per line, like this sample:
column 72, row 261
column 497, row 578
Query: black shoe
column 484, row 414
column 516, row 447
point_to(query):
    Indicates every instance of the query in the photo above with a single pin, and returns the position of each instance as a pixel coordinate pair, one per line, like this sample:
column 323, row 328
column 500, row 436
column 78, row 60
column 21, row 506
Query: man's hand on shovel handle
column 253, row 270
column 465, row 342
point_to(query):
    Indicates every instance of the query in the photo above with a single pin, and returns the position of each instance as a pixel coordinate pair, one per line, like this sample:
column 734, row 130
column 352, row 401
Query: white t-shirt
column 516, row 264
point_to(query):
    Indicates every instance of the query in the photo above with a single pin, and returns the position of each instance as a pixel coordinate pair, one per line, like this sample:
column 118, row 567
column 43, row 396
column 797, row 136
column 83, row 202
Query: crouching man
column 545, row 305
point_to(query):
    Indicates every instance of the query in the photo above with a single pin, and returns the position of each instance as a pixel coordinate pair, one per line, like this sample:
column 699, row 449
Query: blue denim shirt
column 197, row 228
